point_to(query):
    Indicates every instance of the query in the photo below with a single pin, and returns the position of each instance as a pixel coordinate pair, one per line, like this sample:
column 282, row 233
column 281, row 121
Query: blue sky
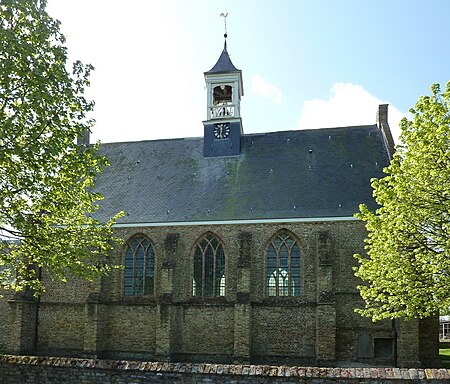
column 306, row 64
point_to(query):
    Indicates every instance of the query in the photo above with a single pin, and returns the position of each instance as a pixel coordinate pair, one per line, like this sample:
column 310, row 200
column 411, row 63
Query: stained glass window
column 209, row 268
column 139, row 270
column 283, row 266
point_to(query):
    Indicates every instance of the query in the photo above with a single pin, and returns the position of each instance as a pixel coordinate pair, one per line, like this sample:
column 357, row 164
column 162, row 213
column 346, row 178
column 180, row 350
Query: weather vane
column 224, row 15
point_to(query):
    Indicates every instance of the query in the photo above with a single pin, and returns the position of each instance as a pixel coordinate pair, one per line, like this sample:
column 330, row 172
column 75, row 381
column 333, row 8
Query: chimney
column 83, row 139
column 383, row 126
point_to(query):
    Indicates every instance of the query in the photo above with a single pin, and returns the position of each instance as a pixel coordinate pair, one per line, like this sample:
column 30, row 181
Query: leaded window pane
column 209, row 272
column 272, row 285
column 222, row 286
column 194, row 288
column 209, row 268
column 197, row 282
column 138, row 283
column 277, row 243
column 283, row 267
column 149, row 286
column 283, row 283
column 128, row 286
column 283, row 257
column 139, row 267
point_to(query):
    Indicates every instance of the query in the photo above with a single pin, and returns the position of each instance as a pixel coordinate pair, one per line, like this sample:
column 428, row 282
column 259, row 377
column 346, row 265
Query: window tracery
column 209, row 268
column 139, row 270
column 283, row 266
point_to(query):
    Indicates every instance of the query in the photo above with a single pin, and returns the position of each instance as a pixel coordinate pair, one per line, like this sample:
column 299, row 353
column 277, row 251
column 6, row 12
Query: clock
column 221, row 131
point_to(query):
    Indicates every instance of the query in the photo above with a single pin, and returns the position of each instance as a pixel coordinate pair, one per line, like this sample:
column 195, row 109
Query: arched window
column 222, row 94
column 139, row 267
column 283, row 266
column 209, row 268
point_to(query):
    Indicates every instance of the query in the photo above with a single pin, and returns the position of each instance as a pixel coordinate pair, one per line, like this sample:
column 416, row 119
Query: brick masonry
column 95, row 319
column 52, row 370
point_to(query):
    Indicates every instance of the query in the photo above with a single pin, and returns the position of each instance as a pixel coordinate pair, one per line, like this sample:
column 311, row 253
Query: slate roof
column 281, row 175
column 224, row 64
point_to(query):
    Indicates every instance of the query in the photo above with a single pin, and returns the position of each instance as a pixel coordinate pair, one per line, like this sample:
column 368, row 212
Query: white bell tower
column 224, row 89
column 223, row 124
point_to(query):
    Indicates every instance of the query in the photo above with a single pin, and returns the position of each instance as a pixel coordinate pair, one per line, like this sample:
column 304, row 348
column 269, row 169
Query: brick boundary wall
column 52, row 370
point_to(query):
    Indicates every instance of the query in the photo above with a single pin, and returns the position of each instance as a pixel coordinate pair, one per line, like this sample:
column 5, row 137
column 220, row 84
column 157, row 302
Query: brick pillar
column 325, row 310
column 91, row 325
column 24, row 311
column 242, row 307
column 429, row 342
column 408, row 343
column 325, row 333
column 164, row 307
column 164, row 314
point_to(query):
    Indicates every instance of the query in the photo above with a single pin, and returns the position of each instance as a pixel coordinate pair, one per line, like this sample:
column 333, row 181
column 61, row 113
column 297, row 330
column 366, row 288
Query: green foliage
column 46, row 180
column 407, row 270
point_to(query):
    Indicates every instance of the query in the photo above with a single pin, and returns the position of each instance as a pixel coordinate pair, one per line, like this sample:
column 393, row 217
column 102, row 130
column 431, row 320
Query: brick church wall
column 280, row 332
column 319, row 327
column 61, row 328
column 9, row 322
column 206, row 332
column 128, row 330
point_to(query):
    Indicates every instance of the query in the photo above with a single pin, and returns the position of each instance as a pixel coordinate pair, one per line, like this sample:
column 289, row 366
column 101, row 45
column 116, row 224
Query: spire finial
column 224, row 15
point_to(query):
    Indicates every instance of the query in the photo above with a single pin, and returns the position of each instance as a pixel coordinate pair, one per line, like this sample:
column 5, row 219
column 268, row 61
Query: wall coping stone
column 390, row 374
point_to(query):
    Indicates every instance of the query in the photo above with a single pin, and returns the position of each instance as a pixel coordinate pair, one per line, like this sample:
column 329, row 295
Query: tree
column 407, row 269
column 46, row 180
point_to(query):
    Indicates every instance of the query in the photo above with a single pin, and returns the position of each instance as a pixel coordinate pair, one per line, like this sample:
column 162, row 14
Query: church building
column 237, row 248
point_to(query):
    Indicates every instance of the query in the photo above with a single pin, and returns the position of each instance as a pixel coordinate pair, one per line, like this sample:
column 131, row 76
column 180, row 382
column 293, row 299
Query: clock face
column 221, row 131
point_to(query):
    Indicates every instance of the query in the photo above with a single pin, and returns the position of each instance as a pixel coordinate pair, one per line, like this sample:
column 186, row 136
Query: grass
column 444, row 354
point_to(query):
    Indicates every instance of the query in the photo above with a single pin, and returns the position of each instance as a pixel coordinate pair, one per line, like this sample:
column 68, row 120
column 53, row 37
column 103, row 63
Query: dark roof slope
column 224, row 63
column 291, row 174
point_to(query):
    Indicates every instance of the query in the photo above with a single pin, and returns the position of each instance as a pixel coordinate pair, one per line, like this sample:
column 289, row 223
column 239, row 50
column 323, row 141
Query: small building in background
column 444, row 328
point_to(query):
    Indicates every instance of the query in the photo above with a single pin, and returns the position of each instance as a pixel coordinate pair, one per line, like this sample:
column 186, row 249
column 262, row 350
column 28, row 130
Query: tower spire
column 224, row 63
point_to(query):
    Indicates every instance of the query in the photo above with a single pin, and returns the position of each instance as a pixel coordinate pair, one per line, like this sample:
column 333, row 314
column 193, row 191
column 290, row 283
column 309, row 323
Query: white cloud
column 263, row 88
column 348, row 104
